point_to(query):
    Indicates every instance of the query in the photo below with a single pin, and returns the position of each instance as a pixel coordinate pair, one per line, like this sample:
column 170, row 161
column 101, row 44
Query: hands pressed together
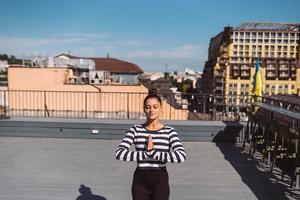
column 150, row 145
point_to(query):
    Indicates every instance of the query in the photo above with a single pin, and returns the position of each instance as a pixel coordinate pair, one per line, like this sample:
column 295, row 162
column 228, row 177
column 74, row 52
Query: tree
column 185, row 86
column 4, row 57
column 10, row 59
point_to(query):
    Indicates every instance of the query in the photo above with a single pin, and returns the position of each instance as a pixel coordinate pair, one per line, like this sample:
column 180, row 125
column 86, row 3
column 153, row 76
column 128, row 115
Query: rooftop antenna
column 166, row 68
column 107, row 55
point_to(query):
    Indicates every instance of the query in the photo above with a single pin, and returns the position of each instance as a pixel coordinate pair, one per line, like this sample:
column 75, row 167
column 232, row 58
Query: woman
column 155, row 144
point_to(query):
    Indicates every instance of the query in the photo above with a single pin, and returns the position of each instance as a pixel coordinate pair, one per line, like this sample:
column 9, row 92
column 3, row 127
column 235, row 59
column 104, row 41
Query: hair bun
column 153, row 91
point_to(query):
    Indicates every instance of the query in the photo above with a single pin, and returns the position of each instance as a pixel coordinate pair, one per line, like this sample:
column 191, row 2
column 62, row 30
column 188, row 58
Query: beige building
column 232, row 57
column 34, row 90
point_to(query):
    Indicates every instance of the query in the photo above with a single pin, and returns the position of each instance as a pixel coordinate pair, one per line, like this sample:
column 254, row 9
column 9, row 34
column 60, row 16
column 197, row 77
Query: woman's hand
column 150, row 145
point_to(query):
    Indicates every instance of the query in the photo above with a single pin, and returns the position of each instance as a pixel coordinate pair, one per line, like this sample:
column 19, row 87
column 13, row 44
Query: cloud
column 86, row 36
column 186, row 51
column 137, row 51
column 27, row 42
column 66, row 38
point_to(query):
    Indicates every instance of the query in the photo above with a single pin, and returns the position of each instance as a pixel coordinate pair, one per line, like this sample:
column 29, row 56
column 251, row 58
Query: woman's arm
column 177, row 154
column 123, row 152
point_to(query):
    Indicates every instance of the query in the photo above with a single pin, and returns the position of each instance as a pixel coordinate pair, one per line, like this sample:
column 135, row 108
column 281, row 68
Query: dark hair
column 153, row 96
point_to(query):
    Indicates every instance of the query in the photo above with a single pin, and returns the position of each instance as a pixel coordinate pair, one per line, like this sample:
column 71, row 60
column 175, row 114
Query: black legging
column 150, row 184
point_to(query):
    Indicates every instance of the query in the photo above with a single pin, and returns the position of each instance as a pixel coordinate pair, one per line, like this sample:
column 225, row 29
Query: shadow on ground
column 264, row 184
column 86, row 194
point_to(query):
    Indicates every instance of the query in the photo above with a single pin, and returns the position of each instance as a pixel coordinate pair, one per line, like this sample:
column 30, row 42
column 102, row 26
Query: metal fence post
column 5, row 113
column 85, row 105
column 128, row 106
column 45, row 104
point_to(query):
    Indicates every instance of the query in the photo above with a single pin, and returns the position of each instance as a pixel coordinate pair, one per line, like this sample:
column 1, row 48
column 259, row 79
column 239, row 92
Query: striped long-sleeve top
column 167, row 147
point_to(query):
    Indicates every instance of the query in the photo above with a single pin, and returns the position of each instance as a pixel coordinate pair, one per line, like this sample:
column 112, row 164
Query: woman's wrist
column 150, row 153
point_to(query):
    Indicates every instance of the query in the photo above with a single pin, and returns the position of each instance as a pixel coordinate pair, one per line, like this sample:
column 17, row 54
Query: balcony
column 283, row 68
column 219, row 80
column 245, row 67
column 219, row 88
column 245, row 74
column 270, row 74
column 271, row 68
column 219, row 74
column 283, row 75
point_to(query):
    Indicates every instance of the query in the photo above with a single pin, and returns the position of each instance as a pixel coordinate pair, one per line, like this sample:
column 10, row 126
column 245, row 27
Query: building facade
column 232, row 56
column 101, row 70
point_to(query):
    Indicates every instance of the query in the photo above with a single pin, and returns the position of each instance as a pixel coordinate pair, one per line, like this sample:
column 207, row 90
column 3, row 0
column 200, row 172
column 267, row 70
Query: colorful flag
column 257, row 82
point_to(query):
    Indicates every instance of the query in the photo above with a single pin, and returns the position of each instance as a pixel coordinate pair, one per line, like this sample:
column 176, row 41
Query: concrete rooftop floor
column 54, row 169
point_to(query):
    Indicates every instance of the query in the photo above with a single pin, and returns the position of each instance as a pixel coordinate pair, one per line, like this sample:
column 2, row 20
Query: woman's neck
column 153, row 125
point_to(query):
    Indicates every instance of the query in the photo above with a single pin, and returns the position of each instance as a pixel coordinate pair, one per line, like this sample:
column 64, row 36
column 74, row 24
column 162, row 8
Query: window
column 284, row 48
column 292, row 48
column 272, row 48
column 253, row 47
column 241, row 40
column 241, row 47
column 253, row 34
column 259, row 47
column 279, row 34
column 253, row 40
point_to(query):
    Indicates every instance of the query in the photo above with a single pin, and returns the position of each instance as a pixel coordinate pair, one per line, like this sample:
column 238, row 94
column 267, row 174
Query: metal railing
column 120, row 105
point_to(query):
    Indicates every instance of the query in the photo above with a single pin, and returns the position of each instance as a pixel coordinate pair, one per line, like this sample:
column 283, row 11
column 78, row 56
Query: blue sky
column 150, row 33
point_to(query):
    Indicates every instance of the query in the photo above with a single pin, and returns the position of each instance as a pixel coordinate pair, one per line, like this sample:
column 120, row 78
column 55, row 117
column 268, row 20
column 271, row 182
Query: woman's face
column 152, row 109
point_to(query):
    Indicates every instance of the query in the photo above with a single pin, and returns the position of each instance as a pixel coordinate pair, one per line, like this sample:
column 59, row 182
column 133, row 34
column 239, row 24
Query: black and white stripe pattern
column 167, row 147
